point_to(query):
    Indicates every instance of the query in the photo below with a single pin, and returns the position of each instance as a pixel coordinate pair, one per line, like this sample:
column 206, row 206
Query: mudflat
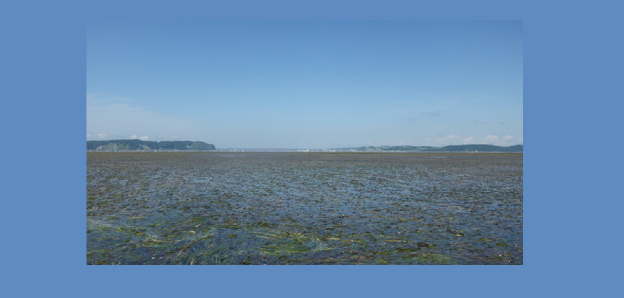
column 304, row 208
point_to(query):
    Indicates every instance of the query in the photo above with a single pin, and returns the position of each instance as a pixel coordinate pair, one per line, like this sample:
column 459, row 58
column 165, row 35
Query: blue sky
column 306, row 84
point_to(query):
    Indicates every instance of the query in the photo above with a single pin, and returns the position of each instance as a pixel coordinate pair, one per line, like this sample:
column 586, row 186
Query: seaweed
column 185, row 208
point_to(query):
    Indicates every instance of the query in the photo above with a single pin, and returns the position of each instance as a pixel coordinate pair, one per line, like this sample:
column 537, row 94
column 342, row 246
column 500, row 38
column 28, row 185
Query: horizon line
column 277, row 148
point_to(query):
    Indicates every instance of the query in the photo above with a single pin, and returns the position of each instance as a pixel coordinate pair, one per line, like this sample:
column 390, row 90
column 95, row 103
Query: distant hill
column 452, row 148
column 138, row 145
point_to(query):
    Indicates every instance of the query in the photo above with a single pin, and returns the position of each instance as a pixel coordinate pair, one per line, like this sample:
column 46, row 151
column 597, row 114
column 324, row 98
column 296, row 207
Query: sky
column 306, row 84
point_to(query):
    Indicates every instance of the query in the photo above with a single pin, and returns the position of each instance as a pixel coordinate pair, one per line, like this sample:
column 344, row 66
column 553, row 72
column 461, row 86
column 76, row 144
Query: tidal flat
column 193, row 208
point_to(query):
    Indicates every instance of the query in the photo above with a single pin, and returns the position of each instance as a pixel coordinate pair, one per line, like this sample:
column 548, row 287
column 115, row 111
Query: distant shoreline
column 294, row 151
column 194, row 146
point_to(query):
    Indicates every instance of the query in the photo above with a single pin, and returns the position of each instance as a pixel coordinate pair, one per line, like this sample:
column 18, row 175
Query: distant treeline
column 139, row 145
column 453, row 148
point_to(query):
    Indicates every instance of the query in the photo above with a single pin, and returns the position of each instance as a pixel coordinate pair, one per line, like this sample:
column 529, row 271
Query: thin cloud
column 120, row 118
column 453, row 140
column 402, row 111
column 507, row 140
column 490, row 139
column 434, row 114
column 510, row 140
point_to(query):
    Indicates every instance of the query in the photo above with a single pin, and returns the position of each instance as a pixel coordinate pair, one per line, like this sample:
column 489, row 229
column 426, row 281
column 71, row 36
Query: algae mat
column 304, row 208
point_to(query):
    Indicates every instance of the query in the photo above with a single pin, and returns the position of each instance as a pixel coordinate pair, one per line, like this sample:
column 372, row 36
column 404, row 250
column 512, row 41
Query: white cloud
column 453, row 140
column 88, row 135
column 120, row 118
column 510, row 140
column 490, row 139
column 507, row 140
column 134, row 137
column 102, row 135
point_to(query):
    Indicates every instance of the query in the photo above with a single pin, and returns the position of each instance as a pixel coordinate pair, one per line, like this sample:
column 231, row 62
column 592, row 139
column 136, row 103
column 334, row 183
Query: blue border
column 570, row 233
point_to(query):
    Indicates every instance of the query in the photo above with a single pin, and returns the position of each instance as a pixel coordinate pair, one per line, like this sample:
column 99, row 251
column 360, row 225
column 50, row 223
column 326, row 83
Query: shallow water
column 304, row 208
